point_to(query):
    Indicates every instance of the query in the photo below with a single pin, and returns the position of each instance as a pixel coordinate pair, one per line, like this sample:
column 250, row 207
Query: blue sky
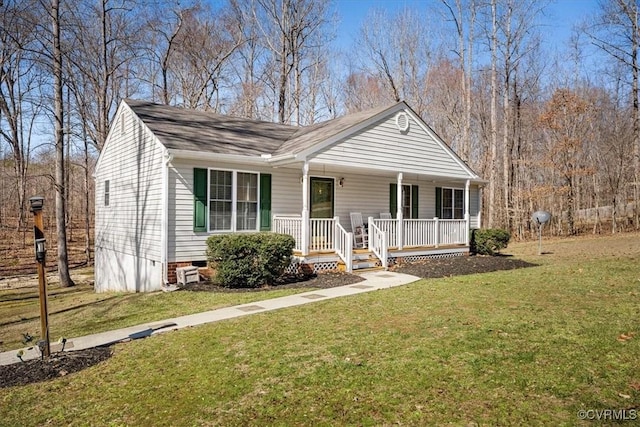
column 561, row 16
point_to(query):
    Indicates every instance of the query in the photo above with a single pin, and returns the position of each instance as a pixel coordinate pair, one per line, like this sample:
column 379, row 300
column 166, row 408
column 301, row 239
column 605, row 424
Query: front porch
column 321, row 239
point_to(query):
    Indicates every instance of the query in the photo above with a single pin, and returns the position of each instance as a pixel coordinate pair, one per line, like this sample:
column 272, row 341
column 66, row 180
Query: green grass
column 522, row 347
column 78, row 310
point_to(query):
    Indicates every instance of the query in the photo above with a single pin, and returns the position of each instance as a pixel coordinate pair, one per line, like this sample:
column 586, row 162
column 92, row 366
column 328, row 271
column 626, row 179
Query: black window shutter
column 439, row 202
column 265, row 202
column 414, row 202
column 393, row 200
column 199, row 199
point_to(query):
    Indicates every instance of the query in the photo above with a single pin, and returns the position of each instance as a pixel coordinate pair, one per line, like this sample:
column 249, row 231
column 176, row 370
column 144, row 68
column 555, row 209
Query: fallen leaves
column 626, row 337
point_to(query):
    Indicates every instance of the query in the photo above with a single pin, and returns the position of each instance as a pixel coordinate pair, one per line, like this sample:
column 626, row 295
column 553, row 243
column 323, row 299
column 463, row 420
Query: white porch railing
column 420, row 232
column 344, row 245
column 291, row 225
column 390, row 227
column 453, row 231
column 378, row 243
column 321, row 231
column 424, row 232
column 321, row 234
column 326, row 235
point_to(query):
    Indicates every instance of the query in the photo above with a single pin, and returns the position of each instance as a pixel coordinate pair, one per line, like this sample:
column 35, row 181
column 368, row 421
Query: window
column 233, row 201
column 452, row 203
column 220, row 200
column 406, row 201
column 106, row 193
column 247, row 196
column 409, row 201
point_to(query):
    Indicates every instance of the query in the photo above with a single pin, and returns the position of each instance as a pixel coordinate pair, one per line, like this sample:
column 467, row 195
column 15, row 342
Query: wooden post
column 40, row 249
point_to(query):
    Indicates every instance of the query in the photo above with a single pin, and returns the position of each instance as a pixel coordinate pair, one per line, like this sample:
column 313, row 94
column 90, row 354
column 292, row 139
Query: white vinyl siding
column 129, row 210
column 187, row 245
column 383, row 147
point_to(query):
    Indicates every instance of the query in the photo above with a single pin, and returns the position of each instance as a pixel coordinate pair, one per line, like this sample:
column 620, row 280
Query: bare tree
column 63, row 260
column 616, row 31
column 290, row 29
column 20, row 80
column 102, row 43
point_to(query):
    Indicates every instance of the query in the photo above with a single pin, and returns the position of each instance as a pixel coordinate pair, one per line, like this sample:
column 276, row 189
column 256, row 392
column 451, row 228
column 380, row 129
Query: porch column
column 305, row 209
column 466, row 213
column 399, row 217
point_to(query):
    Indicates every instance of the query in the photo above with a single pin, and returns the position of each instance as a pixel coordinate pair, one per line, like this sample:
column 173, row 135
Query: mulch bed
column 57, row 365
column 461, row 265
column 61, row 364
column 299, row 281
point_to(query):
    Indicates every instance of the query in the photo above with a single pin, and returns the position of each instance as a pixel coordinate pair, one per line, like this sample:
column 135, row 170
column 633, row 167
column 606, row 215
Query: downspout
column 467, row 218
column 164, row 244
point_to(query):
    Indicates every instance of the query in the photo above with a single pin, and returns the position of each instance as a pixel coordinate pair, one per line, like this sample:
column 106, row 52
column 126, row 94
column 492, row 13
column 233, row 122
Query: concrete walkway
column 374, row 280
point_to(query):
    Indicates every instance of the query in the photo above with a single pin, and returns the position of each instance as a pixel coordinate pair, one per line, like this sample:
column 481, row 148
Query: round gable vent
column 402, row 121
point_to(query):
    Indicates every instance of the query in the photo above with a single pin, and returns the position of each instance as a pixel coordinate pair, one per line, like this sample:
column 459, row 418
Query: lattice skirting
column 414, row 258
column 295, row 267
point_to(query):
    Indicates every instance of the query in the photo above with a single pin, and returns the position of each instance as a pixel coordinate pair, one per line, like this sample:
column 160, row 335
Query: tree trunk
column 63, row 261
column 493, row 141
column 636, row 117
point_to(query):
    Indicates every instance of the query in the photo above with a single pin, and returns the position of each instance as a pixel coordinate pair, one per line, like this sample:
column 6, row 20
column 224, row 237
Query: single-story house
column 369, row 188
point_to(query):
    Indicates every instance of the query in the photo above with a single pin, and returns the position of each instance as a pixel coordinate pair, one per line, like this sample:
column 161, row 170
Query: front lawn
column 533, row 346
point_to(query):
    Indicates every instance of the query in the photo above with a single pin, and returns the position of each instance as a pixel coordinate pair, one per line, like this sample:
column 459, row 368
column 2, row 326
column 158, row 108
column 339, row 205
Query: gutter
column 235, row 158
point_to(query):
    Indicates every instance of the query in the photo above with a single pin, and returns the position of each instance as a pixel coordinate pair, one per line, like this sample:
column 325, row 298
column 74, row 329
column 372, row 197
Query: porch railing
column 291, row 225
column 390, row 227
column 420, row 232
column 321, row 234
column 378, row 243
column 424, row 232
column 325, row 236
column 453, row 231
column 344, row 245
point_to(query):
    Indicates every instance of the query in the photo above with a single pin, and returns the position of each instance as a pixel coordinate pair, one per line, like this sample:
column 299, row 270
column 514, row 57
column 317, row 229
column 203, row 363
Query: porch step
column 365, row 263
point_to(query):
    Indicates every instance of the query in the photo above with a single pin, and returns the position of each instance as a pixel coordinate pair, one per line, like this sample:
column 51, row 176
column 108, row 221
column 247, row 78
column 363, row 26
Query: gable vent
column 402, row 121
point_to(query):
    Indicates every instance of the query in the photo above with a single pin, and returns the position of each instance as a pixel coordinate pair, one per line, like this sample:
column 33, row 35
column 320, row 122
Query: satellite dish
column 540, row 218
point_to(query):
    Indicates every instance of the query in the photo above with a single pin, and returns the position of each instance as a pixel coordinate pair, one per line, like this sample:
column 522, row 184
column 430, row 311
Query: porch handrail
column 420, row 232
column 453, row 231
column 291, row 225
column 321, row 234
column 390, row 227
column 343, row 242
column 378, row 243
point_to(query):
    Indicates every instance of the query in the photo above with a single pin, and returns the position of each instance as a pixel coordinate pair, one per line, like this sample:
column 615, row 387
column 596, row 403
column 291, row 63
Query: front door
column 321, row 202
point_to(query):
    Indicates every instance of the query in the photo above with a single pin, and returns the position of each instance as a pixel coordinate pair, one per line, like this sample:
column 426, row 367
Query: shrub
column 488, row 241
column 249, row 260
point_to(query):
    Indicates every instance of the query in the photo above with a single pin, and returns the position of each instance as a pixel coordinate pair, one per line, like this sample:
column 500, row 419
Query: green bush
column 249, row 260
column 488, row 241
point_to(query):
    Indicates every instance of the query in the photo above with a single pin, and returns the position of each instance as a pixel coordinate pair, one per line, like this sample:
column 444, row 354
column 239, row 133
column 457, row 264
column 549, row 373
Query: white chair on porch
column 360, row 235
column 385, row 215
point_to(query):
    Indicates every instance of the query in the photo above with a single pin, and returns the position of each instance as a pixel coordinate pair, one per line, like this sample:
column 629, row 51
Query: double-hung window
column 233, row 200
column 452, row 203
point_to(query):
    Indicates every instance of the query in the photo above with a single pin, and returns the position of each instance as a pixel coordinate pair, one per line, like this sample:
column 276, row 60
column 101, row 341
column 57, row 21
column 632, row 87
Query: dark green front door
column 321, row 195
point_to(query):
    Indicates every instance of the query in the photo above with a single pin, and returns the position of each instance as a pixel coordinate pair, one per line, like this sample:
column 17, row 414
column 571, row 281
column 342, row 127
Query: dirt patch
column 57, row 365
column 461, row 265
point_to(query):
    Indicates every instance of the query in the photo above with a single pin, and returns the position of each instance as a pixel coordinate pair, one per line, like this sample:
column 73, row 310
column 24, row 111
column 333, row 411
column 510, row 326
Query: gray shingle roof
column 192, row 130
